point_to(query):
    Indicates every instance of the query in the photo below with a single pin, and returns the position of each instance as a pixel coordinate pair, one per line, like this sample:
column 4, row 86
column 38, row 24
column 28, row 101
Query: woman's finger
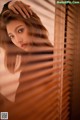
column 13, row 9
column 29, row 10
column 26, row 11
column 23, row 8
column 19, row 10
column 27, row 7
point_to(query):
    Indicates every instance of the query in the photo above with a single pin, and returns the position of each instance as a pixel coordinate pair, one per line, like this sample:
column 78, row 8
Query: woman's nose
column 19, row 40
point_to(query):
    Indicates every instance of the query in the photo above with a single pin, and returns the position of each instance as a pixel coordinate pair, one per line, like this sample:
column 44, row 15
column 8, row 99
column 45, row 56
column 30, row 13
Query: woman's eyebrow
column 15, row 29
column 18, row 27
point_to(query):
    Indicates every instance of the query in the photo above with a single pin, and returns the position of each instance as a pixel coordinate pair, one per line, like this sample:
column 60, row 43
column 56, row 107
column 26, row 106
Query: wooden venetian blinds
column 44, row 88
column 70, row 50
column 72, row 60
column 65, row 45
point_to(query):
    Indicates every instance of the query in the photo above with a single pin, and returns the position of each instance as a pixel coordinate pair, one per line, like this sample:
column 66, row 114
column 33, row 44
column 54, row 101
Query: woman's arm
column 18, row 7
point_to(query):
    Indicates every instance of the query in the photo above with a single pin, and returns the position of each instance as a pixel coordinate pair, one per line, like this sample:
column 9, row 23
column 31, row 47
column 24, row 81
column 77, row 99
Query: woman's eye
column 20, row 30
column 11, row 37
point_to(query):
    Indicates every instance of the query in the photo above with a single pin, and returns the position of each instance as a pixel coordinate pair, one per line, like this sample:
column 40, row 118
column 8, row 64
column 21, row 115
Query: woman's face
column 18, row 33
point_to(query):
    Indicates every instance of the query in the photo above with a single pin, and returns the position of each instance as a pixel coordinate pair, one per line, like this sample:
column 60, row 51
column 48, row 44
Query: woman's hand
column 19, row 7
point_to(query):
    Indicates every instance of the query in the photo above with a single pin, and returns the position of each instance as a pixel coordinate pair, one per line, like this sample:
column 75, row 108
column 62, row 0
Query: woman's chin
column 25, row 49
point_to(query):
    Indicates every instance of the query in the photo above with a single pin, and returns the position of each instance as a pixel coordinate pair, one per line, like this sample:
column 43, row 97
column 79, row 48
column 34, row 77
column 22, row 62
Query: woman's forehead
column 16, row 23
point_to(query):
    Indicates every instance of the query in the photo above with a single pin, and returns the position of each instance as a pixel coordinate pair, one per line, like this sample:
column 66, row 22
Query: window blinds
column 68, row 64
column 44, row 90
column 72, row 55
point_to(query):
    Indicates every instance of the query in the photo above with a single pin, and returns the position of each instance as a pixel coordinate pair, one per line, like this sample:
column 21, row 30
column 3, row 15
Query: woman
column 28, row 39
column 17, row 7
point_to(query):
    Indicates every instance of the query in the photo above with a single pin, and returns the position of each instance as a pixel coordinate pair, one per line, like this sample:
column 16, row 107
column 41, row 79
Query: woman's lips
column 24, row 45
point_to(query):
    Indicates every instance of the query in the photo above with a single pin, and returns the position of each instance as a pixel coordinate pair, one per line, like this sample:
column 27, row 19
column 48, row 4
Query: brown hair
column 37, row 31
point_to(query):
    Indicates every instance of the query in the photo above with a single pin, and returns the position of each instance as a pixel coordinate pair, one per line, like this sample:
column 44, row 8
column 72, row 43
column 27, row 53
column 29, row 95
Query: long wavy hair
column 37, row 32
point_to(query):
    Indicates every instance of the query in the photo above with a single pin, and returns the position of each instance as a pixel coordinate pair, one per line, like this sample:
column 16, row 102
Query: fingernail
column 25, row 17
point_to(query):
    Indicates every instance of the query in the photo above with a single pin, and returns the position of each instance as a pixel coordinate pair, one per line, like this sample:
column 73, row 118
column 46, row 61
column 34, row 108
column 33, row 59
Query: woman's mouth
column 24, row 45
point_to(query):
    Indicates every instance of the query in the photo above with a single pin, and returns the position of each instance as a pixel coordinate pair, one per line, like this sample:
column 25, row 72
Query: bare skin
column 19, row 34
column 19, row 7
